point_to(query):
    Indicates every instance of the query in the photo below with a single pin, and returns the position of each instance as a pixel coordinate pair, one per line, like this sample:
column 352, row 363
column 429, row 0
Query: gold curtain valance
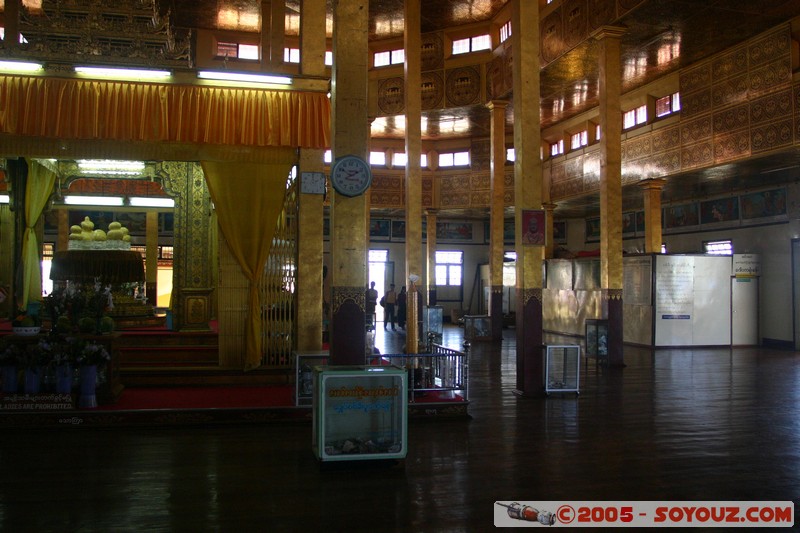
column 123, row 111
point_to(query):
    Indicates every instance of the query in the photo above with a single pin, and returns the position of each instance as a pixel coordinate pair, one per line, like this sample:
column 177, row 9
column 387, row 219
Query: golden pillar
column 62, row 240
column 496, row 215
column 652, row 214
column 349, row 215
column 430, row 273
column 273, row 22
column 151, row 257
column 549, row 211
column 413, row 73
column 611, row 185
column 310, row 295
column 528, row 190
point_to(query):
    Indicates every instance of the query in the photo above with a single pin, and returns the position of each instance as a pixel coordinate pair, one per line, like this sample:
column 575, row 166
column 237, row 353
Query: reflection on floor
column 673, row 425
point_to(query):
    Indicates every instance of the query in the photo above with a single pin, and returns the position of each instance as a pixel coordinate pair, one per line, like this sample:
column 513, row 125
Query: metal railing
column 441, row 375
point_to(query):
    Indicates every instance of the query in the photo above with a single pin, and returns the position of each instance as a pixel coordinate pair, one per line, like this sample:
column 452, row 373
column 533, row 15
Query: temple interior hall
column 396, row 265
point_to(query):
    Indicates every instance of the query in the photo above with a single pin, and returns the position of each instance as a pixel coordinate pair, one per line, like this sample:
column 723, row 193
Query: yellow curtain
column 37, row 191
column 125, row 111
column 248, row 198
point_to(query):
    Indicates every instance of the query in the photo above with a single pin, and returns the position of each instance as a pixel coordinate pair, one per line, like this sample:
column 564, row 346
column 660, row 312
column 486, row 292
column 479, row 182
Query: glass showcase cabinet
column 360, row 413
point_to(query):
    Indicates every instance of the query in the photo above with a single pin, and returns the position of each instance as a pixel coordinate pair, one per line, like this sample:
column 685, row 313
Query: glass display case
column 562, row 368
column 304, row 363
column 432, row 318
column 477, row 328
column 597, row 338
column 360, row 413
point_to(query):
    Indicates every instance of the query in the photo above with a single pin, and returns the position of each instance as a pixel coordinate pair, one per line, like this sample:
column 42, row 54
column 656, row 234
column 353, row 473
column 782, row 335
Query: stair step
column 201, row 375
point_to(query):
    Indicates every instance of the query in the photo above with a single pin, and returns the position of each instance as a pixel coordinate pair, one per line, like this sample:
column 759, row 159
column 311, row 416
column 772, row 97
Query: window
column 399, row 159
column 597, row 132
column 511, row 155
column 718, row 247
column 238, row 51
column 327, row 157
column 449, row 268
column 579, row 140
column 505, row 32
column 328, row 58
column 557, row 148
column 377, row 158
column 389, row 57
column 668, row 105
column 472, row 44
column 634, row 117
column 291, row 55
column 454, row 159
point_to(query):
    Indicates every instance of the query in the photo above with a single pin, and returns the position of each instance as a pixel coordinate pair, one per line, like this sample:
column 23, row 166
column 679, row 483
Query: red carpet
column 203, row 398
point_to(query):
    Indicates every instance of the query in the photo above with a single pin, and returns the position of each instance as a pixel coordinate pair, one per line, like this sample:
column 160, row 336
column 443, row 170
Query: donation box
column 360, row 413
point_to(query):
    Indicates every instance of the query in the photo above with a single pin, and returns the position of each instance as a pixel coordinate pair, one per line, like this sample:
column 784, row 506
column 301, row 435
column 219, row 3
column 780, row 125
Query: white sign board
column 693, row 300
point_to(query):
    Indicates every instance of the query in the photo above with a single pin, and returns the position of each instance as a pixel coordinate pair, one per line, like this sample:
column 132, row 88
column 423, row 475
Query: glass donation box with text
column 360, row 413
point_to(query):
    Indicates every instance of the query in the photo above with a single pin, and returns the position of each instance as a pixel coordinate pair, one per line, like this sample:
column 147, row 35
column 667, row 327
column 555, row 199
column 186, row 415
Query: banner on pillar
column 533, row 226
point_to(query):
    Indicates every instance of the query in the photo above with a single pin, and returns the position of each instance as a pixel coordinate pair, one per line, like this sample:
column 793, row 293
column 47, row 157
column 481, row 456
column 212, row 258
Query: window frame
column 449, row 266
column 471, row 44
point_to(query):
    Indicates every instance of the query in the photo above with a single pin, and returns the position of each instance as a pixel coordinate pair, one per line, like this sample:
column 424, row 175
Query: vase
column 9, row 378
column 33, row 379
column 64, row 379
column 88, row 396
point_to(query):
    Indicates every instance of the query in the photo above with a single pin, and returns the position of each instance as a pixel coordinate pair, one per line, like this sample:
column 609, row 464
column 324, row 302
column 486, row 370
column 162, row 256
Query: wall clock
column 351, row 175
column 312, row 182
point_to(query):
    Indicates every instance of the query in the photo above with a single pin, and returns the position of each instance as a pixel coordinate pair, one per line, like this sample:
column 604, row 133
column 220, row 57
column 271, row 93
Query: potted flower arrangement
column 59, row 356
column 88, row 355
column 10, row 355
column 34, row 360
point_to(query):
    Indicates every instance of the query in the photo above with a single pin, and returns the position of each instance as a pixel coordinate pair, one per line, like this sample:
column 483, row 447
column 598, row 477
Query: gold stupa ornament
column 86, row 237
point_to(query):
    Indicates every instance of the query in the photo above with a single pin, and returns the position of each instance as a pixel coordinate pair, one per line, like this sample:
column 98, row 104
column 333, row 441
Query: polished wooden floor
column 704, row 424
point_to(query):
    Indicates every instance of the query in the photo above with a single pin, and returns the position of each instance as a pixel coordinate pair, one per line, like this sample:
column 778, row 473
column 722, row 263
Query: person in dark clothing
column 390, row 300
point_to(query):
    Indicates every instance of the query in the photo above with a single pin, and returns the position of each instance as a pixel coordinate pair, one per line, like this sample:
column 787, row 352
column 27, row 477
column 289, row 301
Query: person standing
column 389, row 300
column 371, row 300
column 401, row 307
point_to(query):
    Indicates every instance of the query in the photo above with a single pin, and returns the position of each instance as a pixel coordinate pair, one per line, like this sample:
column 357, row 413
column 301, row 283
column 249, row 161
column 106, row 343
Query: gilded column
column 191, row 276
column 413, row 47
column 430, row 221
column 528, row 194
column 151, row 257
column 496, row 215
column 349, row 216
column 549, row 211
column 62, row 240
column 652, row 214
column 310, row 295
column 611, row 185
column 273, row 22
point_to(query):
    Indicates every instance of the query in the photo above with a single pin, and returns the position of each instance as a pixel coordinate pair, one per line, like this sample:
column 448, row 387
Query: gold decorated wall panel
column 185, row 182
column 735, row 105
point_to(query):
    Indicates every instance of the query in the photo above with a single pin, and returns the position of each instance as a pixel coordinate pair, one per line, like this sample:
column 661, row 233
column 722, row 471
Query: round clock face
column 351, row 175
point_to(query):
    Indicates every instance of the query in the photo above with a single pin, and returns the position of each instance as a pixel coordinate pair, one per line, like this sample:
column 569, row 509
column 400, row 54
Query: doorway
column 381, row 271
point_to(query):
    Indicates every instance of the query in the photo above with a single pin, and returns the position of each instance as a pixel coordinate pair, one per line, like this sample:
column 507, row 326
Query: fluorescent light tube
column 109, row 166
column 141, row 201
column 114, row 201
column 241, row 76
column 124, row 73
column 20, row 66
